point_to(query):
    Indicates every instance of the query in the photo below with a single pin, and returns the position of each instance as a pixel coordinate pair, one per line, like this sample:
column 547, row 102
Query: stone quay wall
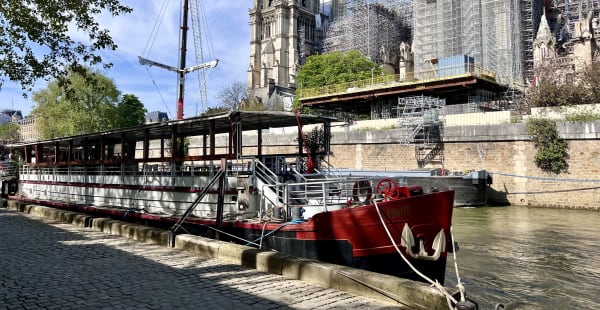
column 505, row 150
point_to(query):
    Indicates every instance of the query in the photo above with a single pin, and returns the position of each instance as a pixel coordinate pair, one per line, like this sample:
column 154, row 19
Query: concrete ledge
column 198, row 245
column 414, row 294
column 369, row 284
column 373, row 285
column 318, row 273
column 132, row 231
column 233, row 253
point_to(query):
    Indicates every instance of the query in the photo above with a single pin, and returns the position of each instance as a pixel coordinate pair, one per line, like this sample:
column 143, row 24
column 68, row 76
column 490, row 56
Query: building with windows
column 283, row 33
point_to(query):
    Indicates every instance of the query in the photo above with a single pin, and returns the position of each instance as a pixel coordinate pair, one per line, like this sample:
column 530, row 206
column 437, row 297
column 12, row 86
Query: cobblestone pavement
column 49, row 265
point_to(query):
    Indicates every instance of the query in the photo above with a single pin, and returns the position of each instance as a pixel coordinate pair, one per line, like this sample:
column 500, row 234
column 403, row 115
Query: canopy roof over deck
column 195, row 126
column 232, row 123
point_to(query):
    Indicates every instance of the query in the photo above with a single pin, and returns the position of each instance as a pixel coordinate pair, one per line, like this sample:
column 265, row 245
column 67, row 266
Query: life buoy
column 362, row 191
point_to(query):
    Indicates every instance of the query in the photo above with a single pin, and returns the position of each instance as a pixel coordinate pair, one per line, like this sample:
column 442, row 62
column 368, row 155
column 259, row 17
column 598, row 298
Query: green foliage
column 86, row 104
column 335, row 68
column 590, row 79
column 552, row 152
column 130, row 112
column 214, row 111
column 9, row 132
column 255, row 104
column 582, row 117
column 36, row 42
column 315, row 140
column 554, row 89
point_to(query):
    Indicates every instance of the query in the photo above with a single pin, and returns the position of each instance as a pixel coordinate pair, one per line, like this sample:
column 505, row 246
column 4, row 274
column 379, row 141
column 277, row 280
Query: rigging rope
column 155, row 28
column 159, row 93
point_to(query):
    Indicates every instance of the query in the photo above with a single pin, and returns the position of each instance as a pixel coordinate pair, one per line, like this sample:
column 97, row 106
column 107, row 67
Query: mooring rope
column 449, row 298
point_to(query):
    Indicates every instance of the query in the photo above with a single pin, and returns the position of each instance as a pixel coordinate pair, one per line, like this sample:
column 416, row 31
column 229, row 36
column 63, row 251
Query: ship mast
column 182, row 53
column 181, row 70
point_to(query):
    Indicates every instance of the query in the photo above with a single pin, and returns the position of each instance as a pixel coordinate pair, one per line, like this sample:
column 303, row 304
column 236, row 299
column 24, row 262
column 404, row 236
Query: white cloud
column 227, row 22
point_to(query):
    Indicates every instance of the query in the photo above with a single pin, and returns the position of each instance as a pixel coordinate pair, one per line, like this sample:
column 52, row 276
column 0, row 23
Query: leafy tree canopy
column 86, row 105
column 9, row 132
column 130, row 112
column 35, row 41
column 554, row 88
column 335, row 68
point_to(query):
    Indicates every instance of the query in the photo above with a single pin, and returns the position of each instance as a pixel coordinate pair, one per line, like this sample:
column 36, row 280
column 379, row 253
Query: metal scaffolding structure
column 420, row 119
column 415, row 112
column 498, row 34
column 374, row 28
column 563, row 16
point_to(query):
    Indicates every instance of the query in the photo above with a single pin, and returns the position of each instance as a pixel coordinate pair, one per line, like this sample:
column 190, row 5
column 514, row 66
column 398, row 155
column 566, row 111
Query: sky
column 228, row 27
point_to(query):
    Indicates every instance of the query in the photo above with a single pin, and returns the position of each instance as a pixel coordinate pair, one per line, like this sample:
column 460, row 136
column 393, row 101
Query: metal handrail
column 395, row 80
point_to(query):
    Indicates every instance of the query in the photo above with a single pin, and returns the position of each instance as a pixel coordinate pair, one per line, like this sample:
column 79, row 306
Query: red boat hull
column 353, row 236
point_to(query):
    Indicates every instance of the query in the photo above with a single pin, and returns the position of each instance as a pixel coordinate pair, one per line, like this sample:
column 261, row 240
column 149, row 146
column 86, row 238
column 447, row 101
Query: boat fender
column 362, row 191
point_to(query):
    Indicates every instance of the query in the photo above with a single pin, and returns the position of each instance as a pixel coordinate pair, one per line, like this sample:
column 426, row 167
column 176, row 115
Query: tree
column 130, row 112
column 335, row 68
column 232, row 96
column 590, row 80
column 555, row 88
column 9, row 132
column 86, row 104
column 35, row 41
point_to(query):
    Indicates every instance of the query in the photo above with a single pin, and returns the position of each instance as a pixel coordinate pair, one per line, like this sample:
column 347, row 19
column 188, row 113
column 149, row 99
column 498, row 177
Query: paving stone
column 50, row 265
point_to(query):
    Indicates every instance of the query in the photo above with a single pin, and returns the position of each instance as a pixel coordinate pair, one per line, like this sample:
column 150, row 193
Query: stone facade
column 283, row 32
column 585, row 41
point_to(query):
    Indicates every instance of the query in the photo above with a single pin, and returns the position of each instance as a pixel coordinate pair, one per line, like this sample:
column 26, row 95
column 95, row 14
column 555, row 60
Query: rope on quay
column 547, row 178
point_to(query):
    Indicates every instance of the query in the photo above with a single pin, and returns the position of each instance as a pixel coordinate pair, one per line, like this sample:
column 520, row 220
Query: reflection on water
column 545, row 256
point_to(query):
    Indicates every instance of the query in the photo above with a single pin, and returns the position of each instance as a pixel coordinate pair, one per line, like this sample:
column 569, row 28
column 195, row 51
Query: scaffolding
column 375, row 28
column 498, row 34
column 415, row 112
column 564, row 15
column 420, row 119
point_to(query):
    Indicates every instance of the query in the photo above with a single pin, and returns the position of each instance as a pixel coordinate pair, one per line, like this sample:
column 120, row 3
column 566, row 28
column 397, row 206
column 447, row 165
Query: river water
column 548, row 257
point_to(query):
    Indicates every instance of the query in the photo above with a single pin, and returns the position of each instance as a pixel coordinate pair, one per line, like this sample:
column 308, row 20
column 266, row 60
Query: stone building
column 567, row 57
column 28, row 129
column 283, row 33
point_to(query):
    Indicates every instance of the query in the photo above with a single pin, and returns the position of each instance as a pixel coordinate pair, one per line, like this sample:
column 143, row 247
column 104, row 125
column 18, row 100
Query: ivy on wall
column 552, row 151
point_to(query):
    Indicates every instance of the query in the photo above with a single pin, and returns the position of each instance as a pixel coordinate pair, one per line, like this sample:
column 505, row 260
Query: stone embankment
column 505, row 150
column 391, row 290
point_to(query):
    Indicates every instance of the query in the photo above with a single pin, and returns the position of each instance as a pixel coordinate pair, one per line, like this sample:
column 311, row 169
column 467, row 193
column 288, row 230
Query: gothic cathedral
column 283, row 33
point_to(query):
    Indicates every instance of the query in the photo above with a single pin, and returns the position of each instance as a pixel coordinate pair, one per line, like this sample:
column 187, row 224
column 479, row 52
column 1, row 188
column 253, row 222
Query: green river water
column 548, row 257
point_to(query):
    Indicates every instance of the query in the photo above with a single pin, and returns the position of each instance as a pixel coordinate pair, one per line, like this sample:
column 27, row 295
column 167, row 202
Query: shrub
column 552, row 152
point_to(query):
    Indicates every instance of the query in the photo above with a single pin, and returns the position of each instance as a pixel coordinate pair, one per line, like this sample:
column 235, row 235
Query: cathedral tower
column 282, row 35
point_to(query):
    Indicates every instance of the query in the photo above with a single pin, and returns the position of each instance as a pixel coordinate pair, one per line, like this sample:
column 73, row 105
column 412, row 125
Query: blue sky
column 229, row 32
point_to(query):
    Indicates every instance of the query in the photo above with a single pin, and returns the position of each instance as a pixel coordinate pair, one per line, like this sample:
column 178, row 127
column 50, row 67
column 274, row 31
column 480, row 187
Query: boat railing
column 327, row 194
column 8, row 169
column 328, row 170
column 297, row 174
column 264, row 173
